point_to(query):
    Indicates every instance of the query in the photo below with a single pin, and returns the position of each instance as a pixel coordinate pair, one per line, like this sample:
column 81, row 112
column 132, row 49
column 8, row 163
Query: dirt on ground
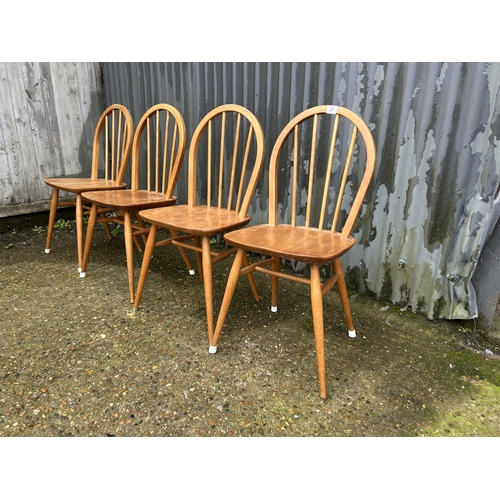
column 77, row 361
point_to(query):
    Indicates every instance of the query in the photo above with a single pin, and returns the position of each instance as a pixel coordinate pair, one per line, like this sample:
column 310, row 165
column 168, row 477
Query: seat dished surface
column 127, row 199
column 79, row 185
column 299, row 243
column 200, row 220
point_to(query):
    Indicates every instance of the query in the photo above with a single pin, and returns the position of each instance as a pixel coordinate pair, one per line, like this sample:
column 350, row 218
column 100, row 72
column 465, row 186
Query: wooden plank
column 48, row 116
column 7, row 142
column 17, row 134
column 40, row 134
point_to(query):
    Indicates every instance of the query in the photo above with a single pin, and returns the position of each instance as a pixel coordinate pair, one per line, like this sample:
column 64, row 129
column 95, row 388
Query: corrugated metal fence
column 435, row 198
column 434, row 201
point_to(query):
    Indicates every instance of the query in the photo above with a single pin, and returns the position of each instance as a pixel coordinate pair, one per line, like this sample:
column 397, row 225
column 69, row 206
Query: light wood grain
column 161, row 145
column 212, row 210
column 298, row 238
column 113, row 136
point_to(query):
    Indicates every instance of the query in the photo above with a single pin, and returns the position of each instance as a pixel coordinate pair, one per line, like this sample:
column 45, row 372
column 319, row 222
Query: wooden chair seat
column 199, row 220
column 128, row 200
column 310, row 245
column 80, row 185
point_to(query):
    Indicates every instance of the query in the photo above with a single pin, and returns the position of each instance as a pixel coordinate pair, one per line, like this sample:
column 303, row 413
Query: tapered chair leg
column 140, row 223
column 183, row 253
column 52, row 218
column 344, row 298
column 234, row 274
column 88, row 239
column 79, row 230
column 106, row 227
column 317, row 314
column 101, row 214
column 135, row 239
column 207, row 283
column 146, row 260
column 129, row 252
column 199, row 256
column 251, row 279
column 274, row 285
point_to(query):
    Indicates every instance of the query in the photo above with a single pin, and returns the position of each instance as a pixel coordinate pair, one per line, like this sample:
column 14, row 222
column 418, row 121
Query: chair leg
column 146, row 259
column 140, row 223
column 106, row 227
column 234, row 274
column 251, row 279
column 317, row 313
column 183, row 253
column 129, row 252
column 136, row 243
column 88, row 239
column 274, row 285
column 79, row 230
column 52, row 218
column 198, row 256
column 100, row 218
column 207, row 283
column 344, row 298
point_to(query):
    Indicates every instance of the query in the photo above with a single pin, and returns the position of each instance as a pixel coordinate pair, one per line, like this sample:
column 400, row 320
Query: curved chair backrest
column 112, row 143
column 322, row 168
column 158, row 150
column 225, row 159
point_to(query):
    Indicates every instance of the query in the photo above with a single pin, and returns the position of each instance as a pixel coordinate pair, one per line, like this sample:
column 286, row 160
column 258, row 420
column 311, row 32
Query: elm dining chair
column 157, row 154
column 110, row 154
column 320, row 170
column 226, row 155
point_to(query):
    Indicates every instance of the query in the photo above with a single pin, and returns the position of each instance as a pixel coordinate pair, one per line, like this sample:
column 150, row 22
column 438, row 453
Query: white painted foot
column 82, row 275
column 352, row 333
column 47, row 250
column 191, row 272
column 274, row 309
column 212, row 349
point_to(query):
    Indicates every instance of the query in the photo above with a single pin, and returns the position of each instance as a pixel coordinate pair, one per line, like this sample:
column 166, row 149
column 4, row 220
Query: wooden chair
column 157, row 153
column 110, row 154
column 225, row 160
column 318, row 168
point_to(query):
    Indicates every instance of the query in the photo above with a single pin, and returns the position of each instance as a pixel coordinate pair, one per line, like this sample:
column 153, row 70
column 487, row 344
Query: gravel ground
column 76, row 361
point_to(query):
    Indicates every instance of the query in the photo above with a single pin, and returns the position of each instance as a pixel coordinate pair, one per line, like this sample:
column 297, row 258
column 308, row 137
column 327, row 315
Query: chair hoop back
column 112, row 143
column 320, row 158
column 225, row 159
column 158, row 150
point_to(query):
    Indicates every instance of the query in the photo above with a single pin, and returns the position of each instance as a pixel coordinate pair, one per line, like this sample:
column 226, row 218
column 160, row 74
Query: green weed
column 64, row 224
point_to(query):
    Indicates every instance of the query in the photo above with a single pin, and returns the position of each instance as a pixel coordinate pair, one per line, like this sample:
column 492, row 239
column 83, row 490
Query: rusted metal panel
column 48, row 116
